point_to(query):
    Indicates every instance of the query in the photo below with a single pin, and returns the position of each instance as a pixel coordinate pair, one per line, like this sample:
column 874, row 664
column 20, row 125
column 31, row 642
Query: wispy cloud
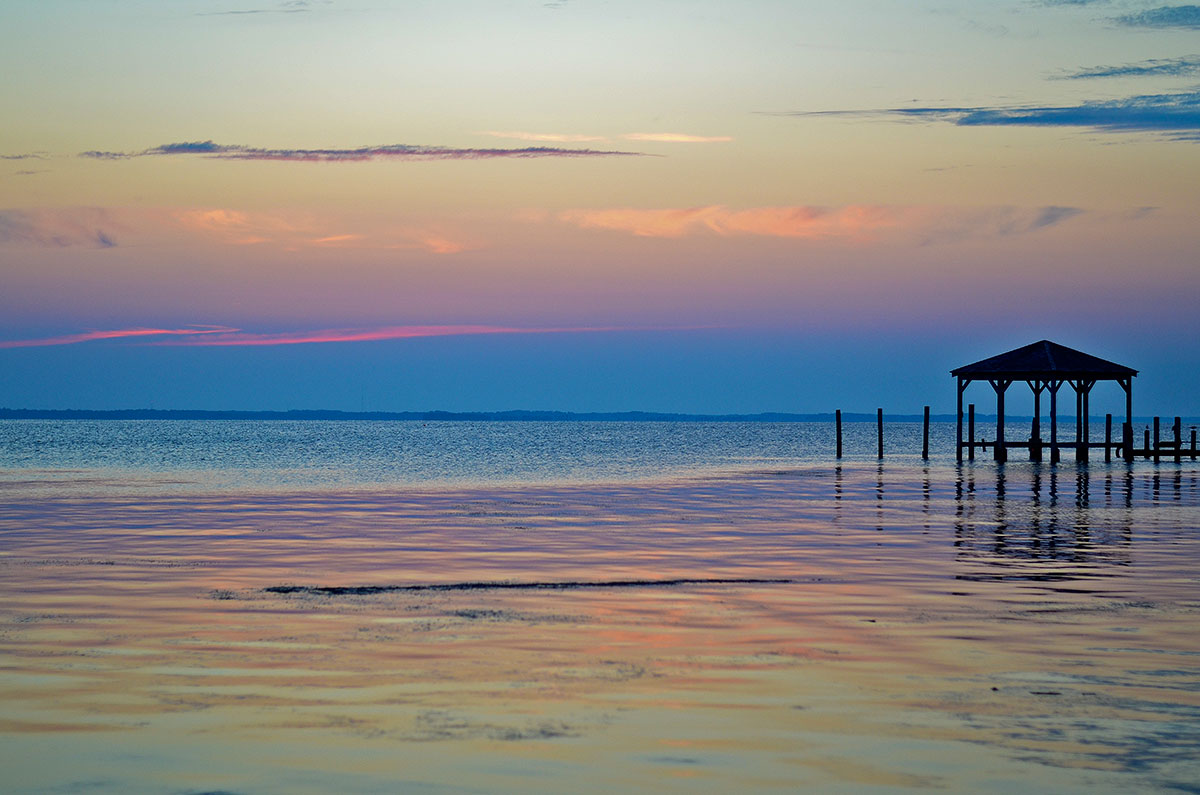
column 676, row 138
column 296, row 231
column 358, row 154
column 225, row 336
column 933, row 225
column 113, row 334
column 24, row 156
column 520, row 135
column 1187, row 17
column 242, row 338
column 288, row 7
column 659, row 137
column 768, row 221
column 82, row 226
column 1176, row 116
column 1162, row 67
column 856, row 222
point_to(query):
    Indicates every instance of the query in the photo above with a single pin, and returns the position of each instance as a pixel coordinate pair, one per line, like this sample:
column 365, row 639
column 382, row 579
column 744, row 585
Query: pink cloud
column 89, row 336
column 226, row 336
column 240, row 338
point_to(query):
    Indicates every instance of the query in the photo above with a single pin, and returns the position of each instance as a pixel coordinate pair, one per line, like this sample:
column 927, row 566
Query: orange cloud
column 797, row 221
column 644, row 223
column 295, row 231
column 335, row 239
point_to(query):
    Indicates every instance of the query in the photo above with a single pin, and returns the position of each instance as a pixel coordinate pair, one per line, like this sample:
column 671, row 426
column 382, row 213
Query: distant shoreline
column 497, row 416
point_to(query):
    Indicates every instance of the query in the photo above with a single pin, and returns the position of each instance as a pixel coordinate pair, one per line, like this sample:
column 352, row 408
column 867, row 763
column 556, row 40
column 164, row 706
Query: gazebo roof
column 1044, row 360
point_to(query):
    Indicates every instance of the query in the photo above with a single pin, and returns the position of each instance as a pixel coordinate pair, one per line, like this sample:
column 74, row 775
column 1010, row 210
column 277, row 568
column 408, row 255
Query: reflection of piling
column 879, row 429
column 925, row 437
column 838, row 416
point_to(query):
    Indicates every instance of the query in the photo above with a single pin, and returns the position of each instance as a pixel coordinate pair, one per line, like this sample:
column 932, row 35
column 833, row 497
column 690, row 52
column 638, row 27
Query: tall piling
column 879, row 430
column 971, row 431
column 838, row 420
column 1107, row 438
column 1157, row 440
column 1178, row 439
column 925, row 437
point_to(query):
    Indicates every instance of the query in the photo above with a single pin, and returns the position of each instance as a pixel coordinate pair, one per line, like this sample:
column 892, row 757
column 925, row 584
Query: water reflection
column 1050, row 523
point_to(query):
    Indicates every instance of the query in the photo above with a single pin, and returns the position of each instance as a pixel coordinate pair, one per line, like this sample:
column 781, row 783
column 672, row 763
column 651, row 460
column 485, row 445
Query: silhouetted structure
column 1045, row 366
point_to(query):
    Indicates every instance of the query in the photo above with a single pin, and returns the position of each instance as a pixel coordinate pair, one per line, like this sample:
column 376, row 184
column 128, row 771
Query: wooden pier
column 1046, row 366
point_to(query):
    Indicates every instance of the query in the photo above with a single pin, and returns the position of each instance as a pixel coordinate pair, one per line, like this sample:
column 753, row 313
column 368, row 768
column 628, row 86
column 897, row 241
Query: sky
column 589, row 205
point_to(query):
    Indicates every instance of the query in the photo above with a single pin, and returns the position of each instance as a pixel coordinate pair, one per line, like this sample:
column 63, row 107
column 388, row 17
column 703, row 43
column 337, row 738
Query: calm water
column 205, row 455
column 305, row 607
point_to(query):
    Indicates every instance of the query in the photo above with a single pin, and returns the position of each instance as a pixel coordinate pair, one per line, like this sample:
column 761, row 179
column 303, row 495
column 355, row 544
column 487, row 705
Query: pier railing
column 1153, row 447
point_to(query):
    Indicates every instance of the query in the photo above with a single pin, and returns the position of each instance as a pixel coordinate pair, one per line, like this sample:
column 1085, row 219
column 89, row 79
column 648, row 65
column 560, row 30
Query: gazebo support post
column 1087, row 418
column 958, row 447
column 1054, row 385
column 1001, row 450
column 1127, row 385
column 1082, row 389
column 1035, row 434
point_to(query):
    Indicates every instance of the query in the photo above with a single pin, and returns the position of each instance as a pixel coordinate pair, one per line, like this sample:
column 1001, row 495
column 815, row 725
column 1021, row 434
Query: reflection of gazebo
column 1045, row 365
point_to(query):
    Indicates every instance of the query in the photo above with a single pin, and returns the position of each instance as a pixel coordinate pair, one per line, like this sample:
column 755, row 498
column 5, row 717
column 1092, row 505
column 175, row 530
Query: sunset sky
column 592, row 205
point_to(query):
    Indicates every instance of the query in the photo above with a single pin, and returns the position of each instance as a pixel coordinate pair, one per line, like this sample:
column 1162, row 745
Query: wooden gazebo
column 1045, row 365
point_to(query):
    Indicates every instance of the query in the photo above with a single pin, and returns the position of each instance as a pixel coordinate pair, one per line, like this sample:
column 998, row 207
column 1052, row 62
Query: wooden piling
column 1107, row 438
column 1146, row 442
column 1156, row 440
column 925, row 437
column 838, row 420
column 1178, row 439
column 971, row 430
column 879, row 429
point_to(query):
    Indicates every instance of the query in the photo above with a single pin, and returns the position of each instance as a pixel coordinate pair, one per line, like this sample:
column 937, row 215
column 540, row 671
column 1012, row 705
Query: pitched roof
column 1044, row 359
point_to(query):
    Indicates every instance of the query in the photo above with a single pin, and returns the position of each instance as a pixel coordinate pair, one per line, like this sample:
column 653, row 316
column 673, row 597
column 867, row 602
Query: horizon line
column 518, row 415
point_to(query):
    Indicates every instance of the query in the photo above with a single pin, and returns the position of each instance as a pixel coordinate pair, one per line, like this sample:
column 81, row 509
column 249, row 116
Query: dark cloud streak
column 360, row 154
column 1175, row 116
column 1164, row 17
column 1160, row 67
